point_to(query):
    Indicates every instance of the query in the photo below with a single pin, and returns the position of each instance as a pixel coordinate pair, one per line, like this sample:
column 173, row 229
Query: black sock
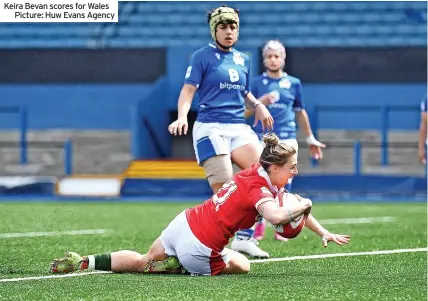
column 103, row 262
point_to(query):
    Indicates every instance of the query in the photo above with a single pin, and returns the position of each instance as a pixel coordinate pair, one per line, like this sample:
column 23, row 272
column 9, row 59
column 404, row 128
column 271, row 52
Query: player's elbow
column 188, row 89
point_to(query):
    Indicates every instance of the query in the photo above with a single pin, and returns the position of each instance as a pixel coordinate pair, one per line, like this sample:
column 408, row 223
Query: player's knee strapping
column 218, row 169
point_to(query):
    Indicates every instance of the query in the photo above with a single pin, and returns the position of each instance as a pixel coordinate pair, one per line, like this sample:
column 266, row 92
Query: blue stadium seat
column 160, row 24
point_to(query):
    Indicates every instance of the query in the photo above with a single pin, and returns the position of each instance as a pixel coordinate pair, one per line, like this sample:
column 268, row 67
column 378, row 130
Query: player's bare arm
column 185, row 99
column 422, row 137
column 260, row 111
column 282, row 215
column 305, row 126
column 339, row 239
column 265, row 99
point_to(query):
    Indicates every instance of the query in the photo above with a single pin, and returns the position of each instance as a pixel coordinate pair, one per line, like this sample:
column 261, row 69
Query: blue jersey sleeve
column 424, row 105
column 195, row 70
column 298, row 104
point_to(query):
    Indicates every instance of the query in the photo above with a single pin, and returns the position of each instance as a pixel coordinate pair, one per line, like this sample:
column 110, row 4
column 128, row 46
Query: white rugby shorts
column 179, row 241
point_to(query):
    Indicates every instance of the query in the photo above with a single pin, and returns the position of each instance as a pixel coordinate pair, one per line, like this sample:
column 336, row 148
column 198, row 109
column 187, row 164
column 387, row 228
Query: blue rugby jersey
column 222, row 79
column 287, row 92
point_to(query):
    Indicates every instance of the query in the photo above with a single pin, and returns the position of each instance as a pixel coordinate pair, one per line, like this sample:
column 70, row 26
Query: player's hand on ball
column 338, row 239
column 180, row 125
column 262, row 114
column 305, row 201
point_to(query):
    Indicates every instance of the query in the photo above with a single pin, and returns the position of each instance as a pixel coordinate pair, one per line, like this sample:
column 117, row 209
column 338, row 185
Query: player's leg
column 161, row 256
column 245, row 151
column 213, row 153
column 218, row 171
column 118, row 262
column 237, row 264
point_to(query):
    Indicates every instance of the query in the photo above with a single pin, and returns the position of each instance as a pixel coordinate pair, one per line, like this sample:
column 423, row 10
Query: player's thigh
column 171, row 236
column 193, row 255
column 245, row 147
column 209, row 141
column 293, row 143
column 218, row 171
column 157, row 251
column 237, row 263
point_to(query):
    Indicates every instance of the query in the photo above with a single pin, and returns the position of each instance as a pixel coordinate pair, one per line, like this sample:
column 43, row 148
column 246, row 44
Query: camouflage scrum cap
column 222, row 14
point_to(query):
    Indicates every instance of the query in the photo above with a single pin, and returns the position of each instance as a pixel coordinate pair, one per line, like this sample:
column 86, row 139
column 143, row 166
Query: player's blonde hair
column 274, row 45
column 222, row 14
column 275, row 152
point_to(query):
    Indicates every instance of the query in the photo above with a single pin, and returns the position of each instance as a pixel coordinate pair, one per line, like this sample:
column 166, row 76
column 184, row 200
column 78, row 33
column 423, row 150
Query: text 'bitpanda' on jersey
column 231, row 86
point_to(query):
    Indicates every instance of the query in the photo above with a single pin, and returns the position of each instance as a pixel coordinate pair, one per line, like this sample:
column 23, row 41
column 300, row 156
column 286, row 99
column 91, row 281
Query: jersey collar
column 284, row 75
column 262, row 172
column 214, row 46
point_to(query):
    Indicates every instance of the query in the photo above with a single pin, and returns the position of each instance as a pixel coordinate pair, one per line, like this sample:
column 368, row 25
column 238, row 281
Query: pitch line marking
column 306, row 257
column 54, row 233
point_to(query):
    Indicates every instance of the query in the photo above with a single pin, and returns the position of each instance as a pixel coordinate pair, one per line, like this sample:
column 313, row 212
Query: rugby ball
column 292, row 229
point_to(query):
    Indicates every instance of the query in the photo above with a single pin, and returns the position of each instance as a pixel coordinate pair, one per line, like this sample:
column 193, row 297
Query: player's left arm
column 304, row 124
column 313, row 225
column 423, row 133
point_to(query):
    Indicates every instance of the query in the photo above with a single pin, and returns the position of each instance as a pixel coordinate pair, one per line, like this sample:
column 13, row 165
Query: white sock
column 91, row 264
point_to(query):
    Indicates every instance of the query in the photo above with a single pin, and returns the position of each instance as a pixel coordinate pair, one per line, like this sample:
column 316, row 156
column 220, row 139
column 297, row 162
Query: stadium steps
column 101, row 152
column 148, row 169
column 94, row 152
column 402, row 160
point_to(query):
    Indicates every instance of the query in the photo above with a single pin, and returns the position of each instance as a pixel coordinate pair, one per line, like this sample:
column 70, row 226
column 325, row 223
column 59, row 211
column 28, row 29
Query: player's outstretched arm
column 282, row 215
column 185, row 99
column 326, row 236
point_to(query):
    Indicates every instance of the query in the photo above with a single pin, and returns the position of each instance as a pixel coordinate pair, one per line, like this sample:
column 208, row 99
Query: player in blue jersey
column 286, row 106
column 220, row 75
column 423, row 132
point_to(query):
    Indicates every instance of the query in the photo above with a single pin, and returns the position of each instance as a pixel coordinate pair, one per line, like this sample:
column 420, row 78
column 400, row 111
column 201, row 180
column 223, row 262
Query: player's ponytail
column 275, row 152
column 270, row 139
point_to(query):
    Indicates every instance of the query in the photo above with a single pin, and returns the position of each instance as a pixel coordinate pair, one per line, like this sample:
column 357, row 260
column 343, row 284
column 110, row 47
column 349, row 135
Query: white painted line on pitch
column 361, row 220
column 55, row 276
column 383, row 252
column 54, row 233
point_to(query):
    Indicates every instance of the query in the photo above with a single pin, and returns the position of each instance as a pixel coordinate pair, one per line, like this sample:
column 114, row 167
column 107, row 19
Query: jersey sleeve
column 298, row 104
column 195, row 70
column 260, row 195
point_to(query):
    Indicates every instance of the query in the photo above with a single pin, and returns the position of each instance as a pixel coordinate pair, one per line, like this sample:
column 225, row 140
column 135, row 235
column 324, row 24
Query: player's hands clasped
column 338, row 239
column 262, row 114
column 267, row 99
column 179, row 126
